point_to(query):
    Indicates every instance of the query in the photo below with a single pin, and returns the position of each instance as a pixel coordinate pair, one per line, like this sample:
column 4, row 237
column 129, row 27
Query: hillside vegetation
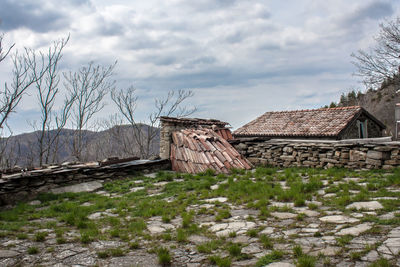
column 117, row 141
column 380, row 103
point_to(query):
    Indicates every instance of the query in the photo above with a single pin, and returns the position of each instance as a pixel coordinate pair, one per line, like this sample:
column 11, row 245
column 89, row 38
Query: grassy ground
column 124, row 215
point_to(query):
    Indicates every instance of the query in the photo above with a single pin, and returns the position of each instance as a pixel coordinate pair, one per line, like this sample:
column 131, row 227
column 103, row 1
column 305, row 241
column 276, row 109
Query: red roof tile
column 196, row 150
column 312, row 122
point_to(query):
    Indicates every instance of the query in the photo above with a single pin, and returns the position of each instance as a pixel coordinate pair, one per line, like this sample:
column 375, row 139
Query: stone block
column 332, row 161
column 288, row 149
column 356, row 155
column 372, row 154
column 374, row 162
column 391, row 162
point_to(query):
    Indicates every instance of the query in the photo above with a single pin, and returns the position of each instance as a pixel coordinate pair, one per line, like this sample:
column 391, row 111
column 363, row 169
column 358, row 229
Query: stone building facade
column 323, row 124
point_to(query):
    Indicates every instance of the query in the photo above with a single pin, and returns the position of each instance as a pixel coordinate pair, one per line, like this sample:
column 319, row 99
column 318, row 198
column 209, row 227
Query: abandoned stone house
column 325, row 123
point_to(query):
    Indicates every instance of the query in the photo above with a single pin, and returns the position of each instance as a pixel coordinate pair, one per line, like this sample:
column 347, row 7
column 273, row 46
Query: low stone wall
column 355, row 154
column 26, row 185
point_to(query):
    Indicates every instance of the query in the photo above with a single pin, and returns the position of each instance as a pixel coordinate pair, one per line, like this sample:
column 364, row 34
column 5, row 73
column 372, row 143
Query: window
column 362, row 129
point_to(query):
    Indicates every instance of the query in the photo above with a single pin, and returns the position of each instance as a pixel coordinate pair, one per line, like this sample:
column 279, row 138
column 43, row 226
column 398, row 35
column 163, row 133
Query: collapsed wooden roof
column 196, row 150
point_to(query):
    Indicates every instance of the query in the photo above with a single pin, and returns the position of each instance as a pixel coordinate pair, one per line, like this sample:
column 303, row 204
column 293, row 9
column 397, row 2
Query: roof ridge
column 315, row 109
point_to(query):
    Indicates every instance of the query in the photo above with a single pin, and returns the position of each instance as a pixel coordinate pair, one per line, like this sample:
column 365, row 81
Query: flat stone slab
column 198, row 239
column 281, row 264
column 369, row 205
column 356, row 230
column 338, row 219
column 8, row 253
column 77, row 188
column 284, row 215
column 216, row 199
column 239, row 227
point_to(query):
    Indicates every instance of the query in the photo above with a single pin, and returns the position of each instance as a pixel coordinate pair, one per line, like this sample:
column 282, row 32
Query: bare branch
column 88, row 86
column 382, row 62
column 144, row 135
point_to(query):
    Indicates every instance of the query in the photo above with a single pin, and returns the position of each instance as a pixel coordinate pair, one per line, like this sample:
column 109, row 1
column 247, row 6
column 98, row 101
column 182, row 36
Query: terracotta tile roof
column 311, row 122
column 224, row 133
column 196, row 150
column 194, row 121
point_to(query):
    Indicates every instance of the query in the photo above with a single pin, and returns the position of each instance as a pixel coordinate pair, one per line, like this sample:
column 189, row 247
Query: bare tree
column 144, row 133
column 89, row 85
column 11, row 95
column 51, row 122
column 382, row 62
column 22, row 79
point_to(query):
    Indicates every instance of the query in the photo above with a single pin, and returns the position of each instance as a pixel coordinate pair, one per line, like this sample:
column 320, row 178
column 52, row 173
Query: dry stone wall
column 24, row 186
column 320, row 154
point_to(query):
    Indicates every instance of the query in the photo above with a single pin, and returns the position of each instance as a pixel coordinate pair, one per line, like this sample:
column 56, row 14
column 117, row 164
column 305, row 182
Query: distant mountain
column 118, row 141
column 380, row 103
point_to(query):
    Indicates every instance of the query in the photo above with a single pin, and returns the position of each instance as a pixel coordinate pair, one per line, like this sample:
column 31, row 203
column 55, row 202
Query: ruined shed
column 195, row 145
column 325, row 123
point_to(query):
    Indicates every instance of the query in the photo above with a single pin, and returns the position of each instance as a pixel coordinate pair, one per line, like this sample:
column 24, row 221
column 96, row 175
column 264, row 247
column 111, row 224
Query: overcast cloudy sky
column 241, row 58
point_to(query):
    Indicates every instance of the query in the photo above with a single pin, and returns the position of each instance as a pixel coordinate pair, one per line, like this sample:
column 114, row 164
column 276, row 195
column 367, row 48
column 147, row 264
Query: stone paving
column 333, row 237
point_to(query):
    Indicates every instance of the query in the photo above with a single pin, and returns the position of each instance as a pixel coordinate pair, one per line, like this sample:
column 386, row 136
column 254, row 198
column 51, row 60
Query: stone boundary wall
column 25, row 186
column 355, row 154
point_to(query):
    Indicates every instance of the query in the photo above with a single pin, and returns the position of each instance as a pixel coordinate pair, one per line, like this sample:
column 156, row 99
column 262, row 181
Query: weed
column 354, row 256
column 61, row 240
column 134, row 245
column 317, row 234
column 222, row 214
column 274, row 256
column 103, row 254
column 299, row 202
column 164, row 256
column 86, row 238
column 312, row 206
column 232, row 234
column 306, row 261
column 381, row 263
column 33, row 250
column 40, row 236
column 22, row 236
column 344, row 240
column 252, row 233
column 219, row 261
column 187, row 219
column 208, row 247
column 181, row 235
column 300, row 217
column 266, row 242
column 235, row 250
column 117, row 252
column 166, row 236
column 166, row 218
column 297, row 251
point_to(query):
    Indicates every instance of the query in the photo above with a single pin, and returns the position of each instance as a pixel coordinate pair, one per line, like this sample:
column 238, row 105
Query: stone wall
column 24, row 186
column 355, row 154
column 167, row 128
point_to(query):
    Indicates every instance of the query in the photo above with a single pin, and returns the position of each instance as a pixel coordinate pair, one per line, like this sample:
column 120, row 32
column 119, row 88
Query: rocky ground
column 263, row 217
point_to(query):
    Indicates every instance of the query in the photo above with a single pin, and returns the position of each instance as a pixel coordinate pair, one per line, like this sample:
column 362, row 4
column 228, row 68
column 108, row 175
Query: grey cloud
column 17, row 14
column 374, row 10
column 109, row 28
column 205, row 5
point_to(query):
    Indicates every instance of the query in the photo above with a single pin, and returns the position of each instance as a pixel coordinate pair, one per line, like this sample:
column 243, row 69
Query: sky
column 240, row 58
